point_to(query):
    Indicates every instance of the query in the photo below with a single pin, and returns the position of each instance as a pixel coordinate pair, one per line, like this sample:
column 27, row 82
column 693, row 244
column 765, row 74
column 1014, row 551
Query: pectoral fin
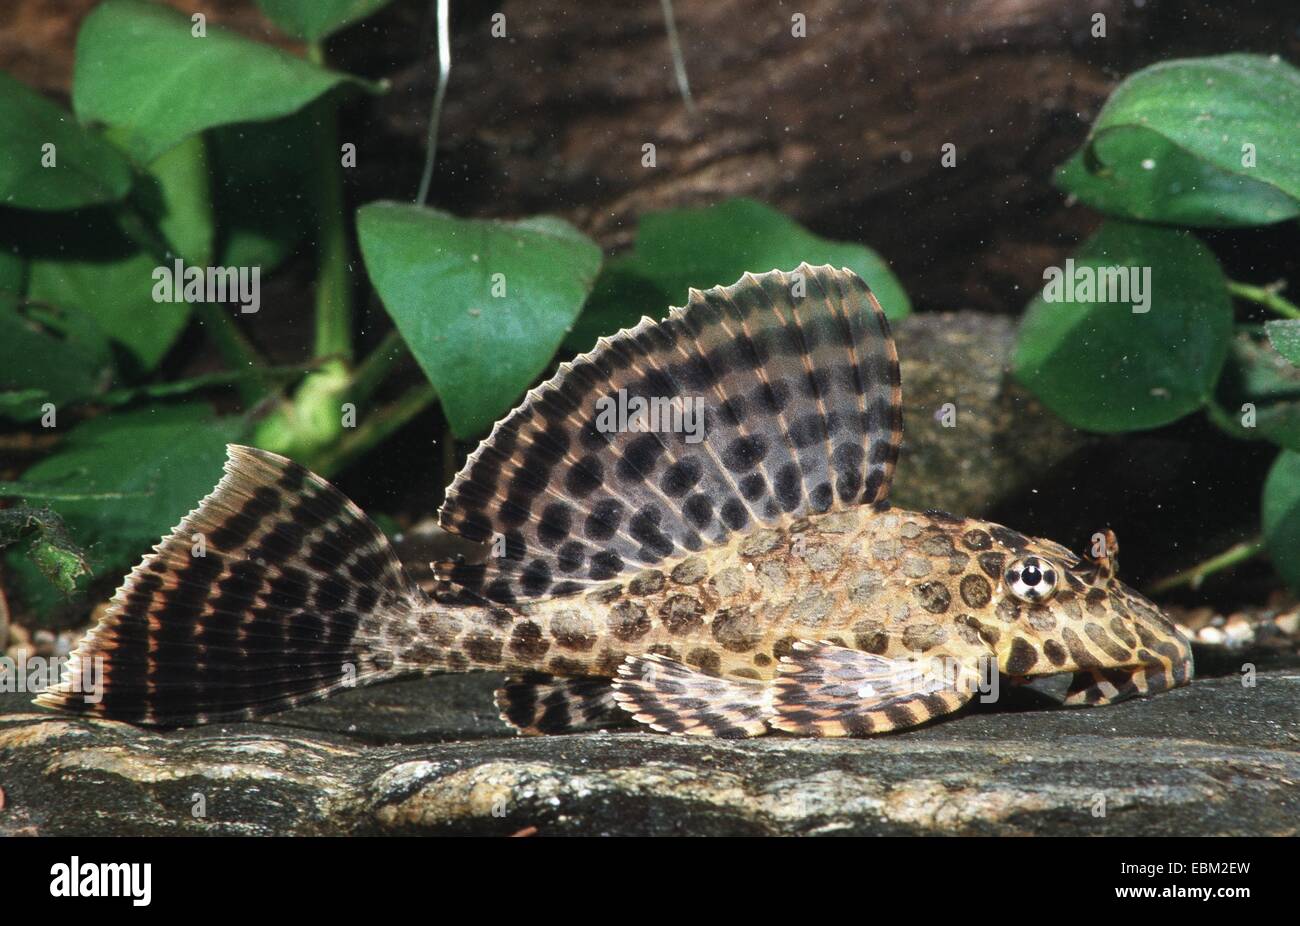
column 536, row 704
column 671, row 697
column 828, row 690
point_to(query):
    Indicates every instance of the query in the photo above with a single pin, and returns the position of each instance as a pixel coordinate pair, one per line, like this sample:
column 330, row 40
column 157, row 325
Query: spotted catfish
column 719, row 558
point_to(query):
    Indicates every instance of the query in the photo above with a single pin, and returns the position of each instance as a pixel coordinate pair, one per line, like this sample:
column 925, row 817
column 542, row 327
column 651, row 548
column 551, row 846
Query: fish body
column 730, row 580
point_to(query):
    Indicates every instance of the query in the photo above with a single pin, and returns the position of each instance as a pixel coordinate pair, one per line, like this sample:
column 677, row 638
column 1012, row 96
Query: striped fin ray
column 762, row 402
column 671, row 697
column 824, row 689
column 291, row 596
column 536, row 704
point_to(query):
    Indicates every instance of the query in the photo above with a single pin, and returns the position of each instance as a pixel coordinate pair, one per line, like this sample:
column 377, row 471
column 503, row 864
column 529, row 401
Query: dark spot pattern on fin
column 289, row 601
column 827, row 690
column 671, row 697
column 536, row 704
column 797, row 379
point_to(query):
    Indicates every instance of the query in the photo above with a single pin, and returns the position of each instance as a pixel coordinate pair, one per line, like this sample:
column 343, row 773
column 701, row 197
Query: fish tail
column 277, row 590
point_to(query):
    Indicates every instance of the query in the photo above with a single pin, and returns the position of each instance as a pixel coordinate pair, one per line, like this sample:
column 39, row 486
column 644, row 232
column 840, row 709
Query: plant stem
column 312, row 419
column 679, row 59
column 234, row 347
column 35, row 492
column 223, row 378
column 435, row 116
column 333, row 282
column 1268, row 296
column 1193, row 577
column 378, row 426
column 371, row 371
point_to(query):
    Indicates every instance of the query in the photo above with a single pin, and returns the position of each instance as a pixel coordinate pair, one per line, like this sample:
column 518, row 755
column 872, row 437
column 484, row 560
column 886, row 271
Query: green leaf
column 140, row 68
column 21, row 403
column 1285, row 337
column 1258, row 394
column 311, row 422
column 87, row 170
column 621, row 295
column 715, row 245
column 313, row 20
column 46, row 355
column 435, row 274
column 1103, row 367
column 175, row 195
column 124, row 480
column 118, row 295
column 1141, row 175
column 1281, row 516
column 1234, row 114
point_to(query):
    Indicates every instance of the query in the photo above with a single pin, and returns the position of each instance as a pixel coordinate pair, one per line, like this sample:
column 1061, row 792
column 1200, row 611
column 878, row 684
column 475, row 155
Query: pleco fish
column 756, row 579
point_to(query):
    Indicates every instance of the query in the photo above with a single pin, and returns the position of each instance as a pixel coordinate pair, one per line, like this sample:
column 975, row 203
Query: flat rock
column 429, row 756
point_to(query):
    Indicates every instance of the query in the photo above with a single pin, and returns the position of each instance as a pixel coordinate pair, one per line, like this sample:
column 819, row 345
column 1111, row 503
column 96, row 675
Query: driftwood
column 842, row 129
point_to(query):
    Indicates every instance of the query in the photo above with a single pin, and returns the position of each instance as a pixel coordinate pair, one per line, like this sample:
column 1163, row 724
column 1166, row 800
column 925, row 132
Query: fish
column 745, row 577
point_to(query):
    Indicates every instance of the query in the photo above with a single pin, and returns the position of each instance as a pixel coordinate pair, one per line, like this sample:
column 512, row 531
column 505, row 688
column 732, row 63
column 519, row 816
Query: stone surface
column 1000, row 438
column 429, row 756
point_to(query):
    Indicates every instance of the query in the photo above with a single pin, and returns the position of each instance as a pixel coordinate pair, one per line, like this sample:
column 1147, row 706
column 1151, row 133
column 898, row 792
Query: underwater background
column 381, row 263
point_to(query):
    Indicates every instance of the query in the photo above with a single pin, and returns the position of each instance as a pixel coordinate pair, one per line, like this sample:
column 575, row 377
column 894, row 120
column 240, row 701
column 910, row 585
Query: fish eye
column 1032, row 579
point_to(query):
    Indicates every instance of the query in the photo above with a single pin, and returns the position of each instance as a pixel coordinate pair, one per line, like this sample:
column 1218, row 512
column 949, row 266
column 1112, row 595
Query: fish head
column 1050, row 610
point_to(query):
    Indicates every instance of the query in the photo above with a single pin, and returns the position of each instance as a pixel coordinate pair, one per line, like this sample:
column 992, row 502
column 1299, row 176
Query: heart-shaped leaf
column 142, row 68
column 1101, row 365
column 1203, row 141
column 482, row 304
column 712, row 246
column 118, row 296
column 83, row 169
column 1139, row 174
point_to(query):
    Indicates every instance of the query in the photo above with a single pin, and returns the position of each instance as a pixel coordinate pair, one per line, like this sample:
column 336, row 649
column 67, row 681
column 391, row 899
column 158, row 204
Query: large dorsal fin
column 797, row 377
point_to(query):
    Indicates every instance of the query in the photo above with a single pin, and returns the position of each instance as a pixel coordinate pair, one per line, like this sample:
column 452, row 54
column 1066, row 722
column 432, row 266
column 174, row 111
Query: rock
column 1001, row 438
column 429, row 756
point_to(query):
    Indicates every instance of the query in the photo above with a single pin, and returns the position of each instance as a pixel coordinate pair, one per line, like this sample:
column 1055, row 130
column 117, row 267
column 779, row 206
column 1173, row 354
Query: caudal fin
column 275, row 591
